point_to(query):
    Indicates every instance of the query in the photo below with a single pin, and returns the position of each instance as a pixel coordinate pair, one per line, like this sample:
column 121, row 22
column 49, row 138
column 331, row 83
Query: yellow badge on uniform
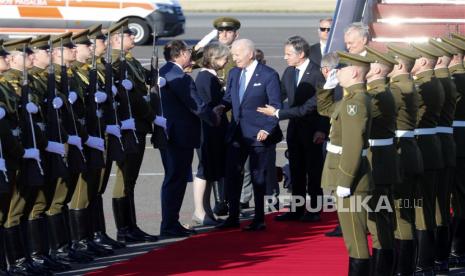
column 352, row 109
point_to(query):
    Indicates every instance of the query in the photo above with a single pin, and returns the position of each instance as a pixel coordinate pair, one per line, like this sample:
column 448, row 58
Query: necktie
column 297, row 77
column 242, row 85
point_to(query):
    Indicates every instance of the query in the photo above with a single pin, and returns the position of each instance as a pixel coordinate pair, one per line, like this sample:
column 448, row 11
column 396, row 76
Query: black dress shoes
column 289, row 216
column 255, row 226
column 337, row 232
column 228, row 224
column 310, row 217
column 178, row 231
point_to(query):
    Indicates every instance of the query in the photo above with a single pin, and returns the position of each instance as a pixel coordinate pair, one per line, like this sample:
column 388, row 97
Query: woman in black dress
column 212, row 149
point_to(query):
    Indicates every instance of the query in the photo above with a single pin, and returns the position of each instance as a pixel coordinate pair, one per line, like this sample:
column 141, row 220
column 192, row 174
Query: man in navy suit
column 182, row 109
column 306, row 131
column 249, row 86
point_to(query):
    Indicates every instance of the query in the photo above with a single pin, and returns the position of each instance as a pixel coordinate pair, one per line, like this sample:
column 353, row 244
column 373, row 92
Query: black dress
column 212, row 149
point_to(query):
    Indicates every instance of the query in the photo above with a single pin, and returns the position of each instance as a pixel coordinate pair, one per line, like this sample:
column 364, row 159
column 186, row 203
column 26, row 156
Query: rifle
column 115, row 146
column 76, row 158
column 33, row 172
column 159, row 137
column 58, row 165
column 129, row 136
column 93, row 121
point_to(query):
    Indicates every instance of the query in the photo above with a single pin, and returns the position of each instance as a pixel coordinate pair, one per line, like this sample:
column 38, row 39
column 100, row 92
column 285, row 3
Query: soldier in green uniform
column 383, row 159
column 457, row 71
column 346, row 170
column 411, row 162
column 430, row 105
column 445, row 134
column 136, row 121
column 96, row 205
column 25, row 193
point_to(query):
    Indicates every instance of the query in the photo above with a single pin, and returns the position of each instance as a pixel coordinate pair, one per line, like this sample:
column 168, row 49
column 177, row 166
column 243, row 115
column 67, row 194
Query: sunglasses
column 324, row 29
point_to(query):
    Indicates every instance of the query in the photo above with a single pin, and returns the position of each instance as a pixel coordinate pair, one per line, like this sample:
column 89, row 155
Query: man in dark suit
column 317, row 50
column 249, row 86
column 183, row 110
column 306, row 131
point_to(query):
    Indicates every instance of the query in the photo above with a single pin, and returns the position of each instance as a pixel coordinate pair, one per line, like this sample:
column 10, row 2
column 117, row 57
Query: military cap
column 349, row 59
column 446, row 49
column 426, row 50
column 458, row 36
column 116, row 28
column 3, row 51
column 95, row 32
column 41, row 42
column 376, row 56
column 63, row 39
column 227, row 23
column 402, row 53
column 82, row 38
column 18, row 45
column 457, row 43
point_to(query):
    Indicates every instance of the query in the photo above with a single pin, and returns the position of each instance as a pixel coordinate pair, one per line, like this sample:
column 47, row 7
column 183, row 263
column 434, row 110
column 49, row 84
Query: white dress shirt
column 249, row 72
column 302, row 69
column 322, row 47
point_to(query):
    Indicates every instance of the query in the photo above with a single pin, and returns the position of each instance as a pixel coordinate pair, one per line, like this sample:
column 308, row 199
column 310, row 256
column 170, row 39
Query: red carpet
column 284, row 248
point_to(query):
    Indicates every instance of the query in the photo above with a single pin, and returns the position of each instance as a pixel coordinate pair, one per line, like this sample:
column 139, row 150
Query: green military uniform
column 346, row 163
column 430, row 105
column 383, row 159
column 134, row 102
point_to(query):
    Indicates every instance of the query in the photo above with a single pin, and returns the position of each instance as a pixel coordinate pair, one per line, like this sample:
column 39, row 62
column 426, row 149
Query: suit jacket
column 315, row 54
column 263, row 88
column 182, row 107
column 302, row 111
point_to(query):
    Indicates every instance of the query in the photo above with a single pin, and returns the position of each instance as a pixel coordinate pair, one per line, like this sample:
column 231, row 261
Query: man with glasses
column 318, row 49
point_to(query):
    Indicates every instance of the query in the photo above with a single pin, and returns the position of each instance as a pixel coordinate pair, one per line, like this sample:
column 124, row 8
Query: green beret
column 376, row 56
column 446, row 49
column 41, row 42
column 19, row 45
column 117, row 27
column 457, row 43
column 402, row 53
column 95, row 32
column 426, row 50
column 352, row 59
column 458, row 36
column 227, row 23
column 63, row 39
column 82, row 38
column 3, row 52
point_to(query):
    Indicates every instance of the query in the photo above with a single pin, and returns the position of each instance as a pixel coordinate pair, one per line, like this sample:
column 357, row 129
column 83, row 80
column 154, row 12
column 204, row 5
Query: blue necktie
column 296, row 77
column 242, row 85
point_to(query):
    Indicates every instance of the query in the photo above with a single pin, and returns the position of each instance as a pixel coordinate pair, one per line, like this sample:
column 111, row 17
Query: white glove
column 127, row 84
column 2, row 113
column 113, row 130
column 332, row 80
column 128, row 124
column 99, row 113
column 114, row 90
column 342, row 191
column 55, row 147
column 161, row 82
column 2, row 165
column 160, row 121
column 32, row 108
column 100, row 97
column 57, row 103
column 96, row 143
column 75, row 141
column 32, row 153
column 72, row 97
column 206, row 39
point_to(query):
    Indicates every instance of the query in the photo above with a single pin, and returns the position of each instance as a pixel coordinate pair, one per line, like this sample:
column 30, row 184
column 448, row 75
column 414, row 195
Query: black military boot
column 59, row 240
column 425, row 252
column 123, row 220
column 359, row 267
column 457, row 249
column 405, row 257
column 143, row 237
column 38, row 247
column 80, row 235
column 441, row 249
column 3, row 266
column 382, row 262
column 99, row 234
column 18, row 262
